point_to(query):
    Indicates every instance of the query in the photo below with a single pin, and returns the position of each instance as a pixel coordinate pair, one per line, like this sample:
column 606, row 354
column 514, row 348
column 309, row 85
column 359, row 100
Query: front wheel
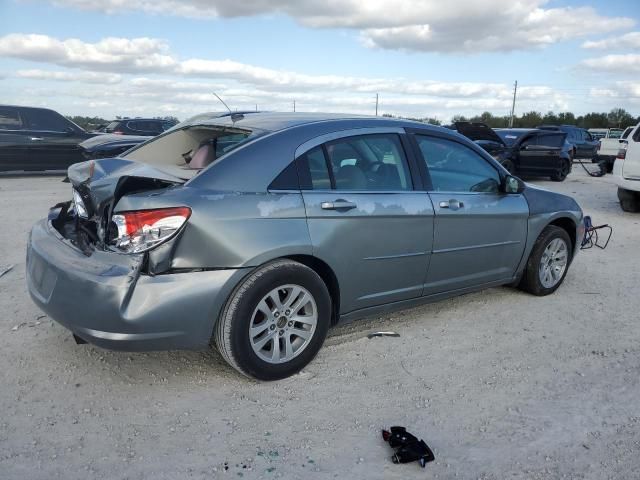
column 548, row 262
column 561, row 174
column 275, row 321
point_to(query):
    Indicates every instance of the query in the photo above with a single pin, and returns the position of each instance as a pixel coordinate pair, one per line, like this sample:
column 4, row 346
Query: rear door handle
column 453, row 204
column 338, row 205
column 37, row 139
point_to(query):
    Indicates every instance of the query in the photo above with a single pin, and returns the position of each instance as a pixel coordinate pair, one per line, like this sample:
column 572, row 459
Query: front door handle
column 453, row 204
column 338, row 205
column 37, row 139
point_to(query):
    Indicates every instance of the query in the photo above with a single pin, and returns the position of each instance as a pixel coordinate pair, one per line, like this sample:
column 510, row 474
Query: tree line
column 616, row 118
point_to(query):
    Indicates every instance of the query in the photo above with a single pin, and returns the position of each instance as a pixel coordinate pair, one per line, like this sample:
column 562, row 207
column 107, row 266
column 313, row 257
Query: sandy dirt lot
column 499, row 383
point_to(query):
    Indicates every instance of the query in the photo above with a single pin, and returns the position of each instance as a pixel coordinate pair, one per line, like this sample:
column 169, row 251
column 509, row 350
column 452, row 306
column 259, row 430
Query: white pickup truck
column 626, row 170
column 609, row 145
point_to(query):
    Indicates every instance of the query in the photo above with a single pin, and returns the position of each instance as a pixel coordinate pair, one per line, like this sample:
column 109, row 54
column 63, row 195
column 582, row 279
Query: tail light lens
column 622, row 152
column 142, row 230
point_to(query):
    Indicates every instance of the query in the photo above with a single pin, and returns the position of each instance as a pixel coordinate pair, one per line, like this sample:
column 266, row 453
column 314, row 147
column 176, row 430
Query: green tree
column 566, row 118
column 459, row 118
column 619, row 118
column 550, row 118
column 528, row 120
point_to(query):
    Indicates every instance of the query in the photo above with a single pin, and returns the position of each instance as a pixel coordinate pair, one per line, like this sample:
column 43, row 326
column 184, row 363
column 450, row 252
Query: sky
column 424, row 58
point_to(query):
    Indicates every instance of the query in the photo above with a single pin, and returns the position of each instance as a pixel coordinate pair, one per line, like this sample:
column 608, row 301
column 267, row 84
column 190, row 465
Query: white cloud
column 620, row 64
column 73, row 76
column 109, row 54
column 469, row 26
column 628, row 40
column 53, row 51
column 185, row 87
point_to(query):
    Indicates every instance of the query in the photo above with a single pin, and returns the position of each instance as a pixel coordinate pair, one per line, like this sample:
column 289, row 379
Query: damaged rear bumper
column 104, row 298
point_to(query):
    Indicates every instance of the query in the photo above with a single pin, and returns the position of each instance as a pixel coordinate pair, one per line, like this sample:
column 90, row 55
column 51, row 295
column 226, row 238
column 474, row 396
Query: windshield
column 615, row 133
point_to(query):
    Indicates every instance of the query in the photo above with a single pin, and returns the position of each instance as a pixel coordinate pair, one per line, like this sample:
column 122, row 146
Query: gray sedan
column 258, row 232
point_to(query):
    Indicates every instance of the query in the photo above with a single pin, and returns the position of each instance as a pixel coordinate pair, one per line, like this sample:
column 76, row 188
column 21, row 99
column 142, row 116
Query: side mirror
column 511, row 184
column 69, row 131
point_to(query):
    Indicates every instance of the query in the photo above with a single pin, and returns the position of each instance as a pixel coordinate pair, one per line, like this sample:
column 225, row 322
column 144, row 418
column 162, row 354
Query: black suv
column 139, row 126
column 522, row 151
column 38, row 139
column 584, row 144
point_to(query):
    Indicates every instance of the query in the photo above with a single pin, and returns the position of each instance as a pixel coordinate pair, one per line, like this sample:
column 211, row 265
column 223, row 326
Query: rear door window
column 10, row 119
column 369, row 162
column 551, row 140
column 46, row 120
column 375, row 162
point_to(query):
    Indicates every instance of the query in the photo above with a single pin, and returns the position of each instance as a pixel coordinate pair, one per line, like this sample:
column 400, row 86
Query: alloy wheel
column 283, row 323
column 553, row 263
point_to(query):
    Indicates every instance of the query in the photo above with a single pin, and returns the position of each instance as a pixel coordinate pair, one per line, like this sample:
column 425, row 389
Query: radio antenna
column 222, row 102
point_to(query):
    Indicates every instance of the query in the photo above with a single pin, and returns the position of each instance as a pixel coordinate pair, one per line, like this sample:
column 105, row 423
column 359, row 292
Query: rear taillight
column 622, row 152
column 142, row 230
column 118, row 132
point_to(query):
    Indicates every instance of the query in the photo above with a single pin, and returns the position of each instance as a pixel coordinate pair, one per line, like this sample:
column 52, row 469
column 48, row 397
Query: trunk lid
column 478, row 131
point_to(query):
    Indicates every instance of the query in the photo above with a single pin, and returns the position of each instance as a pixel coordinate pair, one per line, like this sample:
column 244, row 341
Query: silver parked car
column 257, row 232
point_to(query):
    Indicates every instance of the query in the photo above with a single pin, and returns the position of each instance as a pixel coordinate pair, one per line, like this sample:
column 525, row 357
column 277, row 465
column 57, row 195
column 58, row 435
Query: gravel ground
column 499, row 383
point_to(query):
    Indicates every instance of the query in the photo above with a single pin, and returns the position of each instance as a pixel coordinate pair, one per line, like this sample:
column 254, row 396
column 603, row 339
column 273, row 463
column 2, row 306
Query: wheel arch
column 329, row 278
column 569, row 226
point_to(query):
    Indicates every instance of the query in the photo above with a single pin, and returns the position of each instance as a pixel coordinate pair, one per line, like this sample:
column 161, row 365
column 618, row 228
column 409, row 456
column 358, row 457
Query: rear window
column 627, row 132
column 615, row 133
column 112, row 127
column 10, row 119
column 509, row 137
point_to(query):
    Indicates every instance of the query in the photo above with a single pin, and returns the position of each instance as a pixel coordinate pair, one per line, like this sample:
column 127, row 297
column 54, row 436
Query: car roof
column 27, row 108
column 140, row 118
column 276, row 121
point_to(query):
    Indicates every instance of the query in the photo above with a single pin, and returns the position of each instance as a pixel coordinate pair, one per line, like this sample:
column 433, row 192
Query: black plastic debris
column 407, row 447
column 383, row 334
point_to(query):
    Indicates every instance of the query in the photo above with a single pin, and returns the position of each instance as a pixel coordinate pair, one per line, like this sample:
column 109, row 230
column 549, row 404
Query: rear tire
column 629, row 200
column 275, row 321
column 548, row 262
column 560, row 175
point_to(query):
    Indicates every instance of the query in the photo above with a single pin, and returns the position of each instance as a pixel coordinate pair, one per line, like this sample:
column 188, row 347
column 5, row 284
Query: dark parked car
column 522, row 151
column 149, row 127
column 584, row 144
column 109, row 145
column 38, row 139
column 300, row 221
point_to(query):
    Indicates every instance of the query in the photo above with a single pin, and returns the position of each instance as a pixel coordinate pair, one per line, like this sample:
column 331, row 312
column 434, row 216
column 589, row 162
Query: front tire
column 548, row 262
column 629, row 200
column 275, row 321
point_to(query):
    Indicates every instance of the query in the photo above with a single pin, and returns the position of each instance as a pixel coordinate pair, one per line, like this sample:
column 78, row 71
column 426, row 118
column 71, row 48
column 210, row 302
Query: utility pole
column 513, row 105
column 294, row 105
column 376, row 104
